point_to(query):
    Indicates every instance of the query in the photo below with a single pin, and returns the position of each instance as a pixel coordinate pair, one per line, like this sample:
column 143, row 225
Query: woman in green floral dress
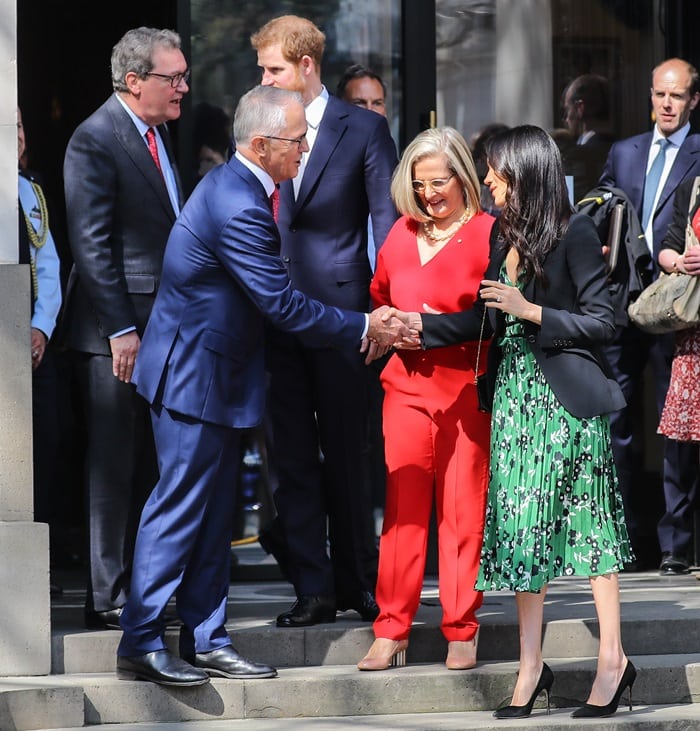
column 554, row 508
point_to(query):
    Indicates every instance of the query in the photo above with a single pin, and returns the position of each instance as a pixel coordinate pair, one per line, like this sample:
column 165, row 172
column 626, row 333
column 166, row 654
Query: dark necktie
column 651, row 183
column 153, row 147
column 275, row 201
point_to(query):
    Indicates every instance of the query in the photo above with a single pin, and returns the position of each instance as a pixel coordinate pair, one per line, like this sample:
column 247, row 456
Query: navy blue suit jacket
column 626, row 168
column 202, row 352
column 346, row 179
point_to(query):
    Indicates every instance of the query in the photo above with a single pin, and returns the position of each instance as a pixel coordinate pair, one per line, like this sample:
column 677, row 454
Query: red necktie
column 275, row 198
column 153, row 147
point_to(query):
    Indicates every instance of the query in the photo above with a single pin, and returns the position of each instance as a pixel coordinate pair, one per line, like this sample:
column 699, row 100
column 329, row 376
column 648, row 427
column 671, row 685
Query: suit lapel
column 330, row 132
column 165, row 136
column 639, row 172
column 135, row 147
column 685, row 159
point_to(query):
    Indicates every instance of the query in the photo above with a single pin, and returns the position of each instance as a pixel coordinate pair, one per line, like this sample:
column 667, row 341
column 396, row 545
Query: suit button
column 285, row 259
column 531, row 338
column 293, row 230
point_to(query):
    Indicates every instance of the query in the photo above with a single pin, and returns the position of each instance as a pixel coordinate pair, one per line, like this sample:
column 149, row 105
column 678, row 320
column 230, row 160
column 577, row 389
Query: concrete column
column 25, row 626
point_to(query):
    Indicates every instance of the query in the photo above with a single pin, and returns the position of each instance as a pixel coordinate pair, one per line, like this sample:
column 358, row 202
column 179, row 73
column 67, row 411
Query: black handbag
column 484, row 385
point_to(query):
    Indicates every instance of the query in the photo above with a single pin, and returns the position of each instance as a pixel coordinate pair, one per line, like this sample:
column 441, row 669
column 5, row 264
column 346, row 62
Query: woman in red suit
column 436, row 439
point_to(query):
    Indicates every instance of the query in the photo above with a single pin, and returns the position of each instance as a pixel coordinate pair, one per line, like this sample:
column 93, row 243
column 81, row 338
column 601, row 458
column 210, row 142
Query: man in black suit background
column 675, row 92
column 586, row 112
column 122, row 197
column 318, row 403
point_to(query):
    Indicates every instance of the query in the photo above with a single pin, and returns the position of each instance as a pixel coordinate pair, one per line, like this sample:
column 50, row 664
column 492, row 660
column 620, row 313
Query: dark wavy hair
column 537, row 209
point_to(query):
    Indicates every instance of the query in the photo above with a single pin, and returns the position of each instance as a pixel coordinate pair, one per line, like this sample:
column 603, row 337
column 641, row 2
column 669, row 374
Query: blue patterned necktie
column 652, row 181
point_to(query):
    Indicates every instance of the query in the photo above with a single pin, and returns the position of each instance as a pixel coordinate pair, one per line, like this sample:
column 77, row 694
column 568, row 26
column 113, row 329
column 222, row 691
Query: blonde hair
column 439, row 141
column 297, row 37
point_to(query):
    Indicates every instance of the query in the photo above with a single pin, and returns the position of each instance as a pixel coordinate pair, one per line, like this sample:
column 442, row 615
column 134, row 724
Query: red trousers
column 439, row 450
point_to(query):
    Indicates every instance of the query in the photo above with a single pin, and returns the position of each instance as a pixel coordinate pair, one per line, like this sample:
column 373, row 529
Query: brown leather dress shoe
column 309, row 610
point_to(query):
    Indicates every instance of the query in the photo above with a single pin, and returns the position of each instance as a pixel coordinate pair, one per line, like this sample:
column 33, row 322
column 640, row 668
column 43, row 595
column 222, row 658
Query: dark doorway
column 63, row 68
column 63, row 71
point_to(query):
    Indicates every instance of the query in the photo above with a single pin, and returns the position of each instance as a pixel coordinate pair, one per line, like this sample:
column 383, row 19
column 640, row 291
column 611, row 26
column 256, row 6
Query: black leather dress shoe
column 673, row 564
column 161, row 667
column 309, row 610
column 363, row 603
column 108, row 619
column 227, row 662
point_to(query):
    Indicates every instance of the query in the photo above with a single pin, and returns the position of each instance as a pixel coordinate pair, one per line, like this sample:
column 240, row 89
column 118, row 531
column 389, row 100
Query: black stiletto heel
column 543, row 684
column 627, row 681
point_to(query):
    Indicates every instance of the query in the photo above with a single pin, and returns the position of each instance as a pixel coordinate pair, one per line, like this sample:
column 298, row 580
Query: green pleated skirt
column 554, row 508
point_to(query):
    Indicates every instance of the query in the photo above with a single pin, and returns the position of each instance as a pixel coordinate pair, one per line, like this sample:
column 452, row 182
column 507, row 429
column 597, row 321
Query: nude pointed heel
column 383, row 654
column 461, row 655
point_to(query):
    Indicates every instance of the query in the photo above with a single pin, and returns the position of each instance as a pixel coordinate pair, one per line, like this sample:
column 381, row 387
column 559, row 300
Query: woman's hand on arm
column 688, row 262
column 507, row 298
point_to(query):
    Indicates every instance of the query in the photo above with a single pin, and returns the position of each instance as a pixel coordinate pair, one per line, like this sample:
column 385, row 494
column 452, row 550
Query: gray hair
column 435, row 142
column 134, row 52
column 262, row 111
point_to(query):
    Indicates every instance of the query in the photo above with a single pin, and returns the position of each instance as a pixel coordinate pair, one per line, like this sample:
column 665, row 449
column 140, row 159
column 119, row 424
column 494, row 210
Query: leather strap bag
column 484, row 384
column 671, row 302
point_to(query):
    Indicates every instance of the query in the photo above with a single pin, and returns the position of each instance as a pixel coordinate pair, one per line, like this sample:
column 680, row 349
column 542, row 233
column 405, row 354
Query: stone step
column 319, row 688
column 337, row 690
column 344, row 643
column 643, row 718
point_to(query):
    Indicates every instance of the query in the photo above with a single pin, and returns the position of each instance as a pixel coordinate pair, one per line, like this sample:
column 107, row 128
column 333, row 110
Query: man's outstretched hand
column 384, row 332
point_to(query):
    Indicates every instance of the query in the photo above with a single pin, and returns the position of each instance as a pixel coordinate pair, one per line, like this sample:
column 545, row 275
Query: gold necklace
column 449, row 231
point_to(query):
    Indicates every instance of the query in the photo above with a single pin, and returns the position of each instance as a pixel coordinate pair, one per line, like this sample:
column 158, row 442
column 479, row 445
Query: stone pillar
column 25, row 626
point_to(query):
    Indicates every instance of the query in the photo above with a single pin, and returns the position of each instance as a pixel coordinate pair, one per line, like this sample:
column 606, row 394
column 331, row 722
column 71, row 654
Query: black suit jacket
column 675, row 236
column 119, row 216
column 577, row 317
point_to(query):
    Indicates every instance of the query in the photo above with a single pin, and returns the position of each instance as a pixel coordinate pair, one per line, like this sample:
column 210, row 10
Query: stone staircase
column 318, row 680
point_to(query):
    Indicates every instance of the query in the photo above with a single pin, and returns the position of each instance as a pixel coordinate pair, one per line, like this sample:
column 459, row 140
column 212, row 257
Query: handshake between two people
column 388, row 329
column 401, row 330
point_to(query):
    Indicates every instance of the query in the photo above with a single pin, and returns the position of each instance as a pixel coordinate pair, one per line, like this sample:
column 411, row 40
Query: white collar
column 315, row 108
column 262, row 175
column 141, row 126
column 677, row 138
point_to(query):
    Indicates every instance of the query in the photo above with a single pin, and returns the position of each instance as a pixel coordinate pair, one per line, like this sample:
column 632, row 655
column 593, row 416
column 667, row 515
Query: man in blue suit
column 674, row 94
column 200, row 367
column 318, row 404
